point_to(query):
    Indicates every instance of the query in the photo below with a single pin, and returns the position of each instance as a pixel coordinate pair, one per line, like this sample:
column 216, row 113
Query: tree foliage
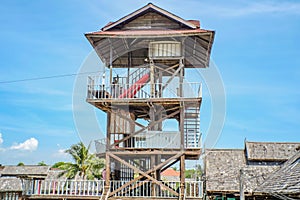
column 84, row 166
column 20, row 164
column 42, row 163
column 194, row 173
column 58, row 164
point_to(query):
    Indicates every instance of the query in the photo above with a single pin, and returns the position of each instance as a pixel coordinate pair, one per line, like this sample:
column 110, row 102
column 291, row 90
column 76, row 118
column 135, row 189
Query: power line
column 46, row 77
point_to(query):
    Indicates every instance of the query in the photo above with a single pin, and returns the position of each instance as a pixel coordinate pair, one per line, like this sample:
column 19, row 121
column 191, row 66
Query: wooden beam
column 169, row 165
column 127, row 119
column 149, row 126
column 142, row 173
column 171, row 78
column 169, row 70
column 148, row 172
column 150, row 152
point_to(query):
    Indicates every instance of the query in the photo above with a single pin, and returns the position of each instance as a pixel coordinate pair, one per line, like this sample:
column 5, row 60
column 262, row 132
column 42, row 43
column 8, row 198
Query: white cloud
column 61, row 154
column 1, row 139
column 29, row 145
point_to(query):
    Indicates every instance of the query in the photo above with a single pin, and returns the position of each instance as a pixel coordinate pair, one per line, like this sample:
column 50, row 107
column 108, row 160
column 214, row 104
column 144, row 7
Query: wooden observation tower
column 152, row 109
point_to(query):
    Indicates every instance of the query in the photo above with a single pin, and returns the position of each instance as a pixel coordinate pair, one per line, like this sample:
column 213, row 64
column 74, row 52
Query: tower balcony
column 166, row 140
column 141, row 90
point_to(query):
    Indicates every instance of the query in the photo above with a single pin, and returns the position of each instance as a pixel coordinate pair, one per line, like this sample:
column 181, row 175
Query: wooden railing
column 64, row 187
column 150, row 139
column 96, row 90
column 193, row 189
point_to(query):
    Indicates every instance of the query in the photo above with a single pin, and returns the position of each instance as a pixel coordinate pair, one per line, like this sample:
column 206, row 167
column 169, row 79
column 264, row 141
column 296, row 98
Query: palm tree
column 85, row 166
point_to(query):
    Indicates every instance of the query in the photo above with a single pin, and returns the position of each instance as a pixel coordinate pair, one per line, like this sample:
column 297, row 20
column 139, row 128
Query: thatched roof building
column 226, row 169
column 222, row 169
column 285, row 181
column 27, row 171
column 270, row 151
column 11, row 184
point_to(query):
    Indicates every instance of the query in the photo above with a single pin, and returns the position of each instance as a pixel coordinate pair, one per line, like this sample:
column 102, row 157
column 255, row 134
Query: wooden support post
column 152, row 81
column 129, row 66
column 181, row 78
column 160, row 76
column 181, row 127
column 182, row 177
column 158, row 160
column 242, row 196
column 153, row 174
column 107, row 169
column 108, row 131
column 110, row 64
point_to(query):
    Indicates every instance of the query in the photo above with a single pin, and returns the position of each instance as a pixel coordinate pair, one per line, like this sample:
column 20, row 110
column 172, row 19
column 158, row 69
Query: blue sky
column 256, row 50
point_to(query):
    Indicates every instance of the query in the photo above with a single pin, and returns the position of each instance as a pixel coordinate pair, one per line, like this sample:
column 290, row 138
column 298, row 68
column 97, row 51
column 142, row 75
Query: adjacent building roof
column 285, row 180
column 25, row 171
column 222, row 169
column 170, row 172
column 55, row 174
column 254, row 175
column 11, row 184
column 226, row 168
column 270, row 151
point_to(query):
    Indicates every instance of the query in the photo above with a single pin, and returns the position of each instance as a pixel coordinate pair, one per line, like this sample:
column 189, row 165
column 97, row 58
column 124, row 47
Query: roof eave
column 112, row 35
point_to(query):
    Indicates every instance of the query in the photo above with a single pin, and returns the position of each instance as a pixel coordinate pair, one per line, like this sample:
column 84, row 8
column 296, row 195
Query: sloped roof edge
column 285, row 179
column 154, row 7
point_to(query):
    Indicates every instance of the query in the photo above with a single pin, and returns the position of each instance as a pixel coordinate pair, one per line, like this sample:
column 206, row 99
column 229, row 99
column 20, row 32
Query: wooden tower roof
column 151, row 23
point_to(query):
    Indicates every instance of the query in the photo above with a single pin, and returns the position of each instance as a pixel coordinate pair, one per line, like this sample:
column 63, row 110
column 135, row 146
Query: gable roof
column 170, row 172
column 270, row 151
column 135, row 31
column 150, row 6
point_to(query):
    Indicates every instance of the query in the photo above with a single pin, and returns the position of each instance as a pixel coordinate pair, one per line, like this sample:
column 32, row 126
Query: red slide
column 135, row 87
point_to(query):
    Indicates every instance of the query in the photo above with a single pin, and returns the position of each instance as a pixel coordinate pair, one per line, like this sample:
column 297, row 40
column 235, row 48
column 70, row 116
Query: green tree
column 194, row 173
column 20, row 164
column 42, row 163
column 58, row 164
column 84, row 166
